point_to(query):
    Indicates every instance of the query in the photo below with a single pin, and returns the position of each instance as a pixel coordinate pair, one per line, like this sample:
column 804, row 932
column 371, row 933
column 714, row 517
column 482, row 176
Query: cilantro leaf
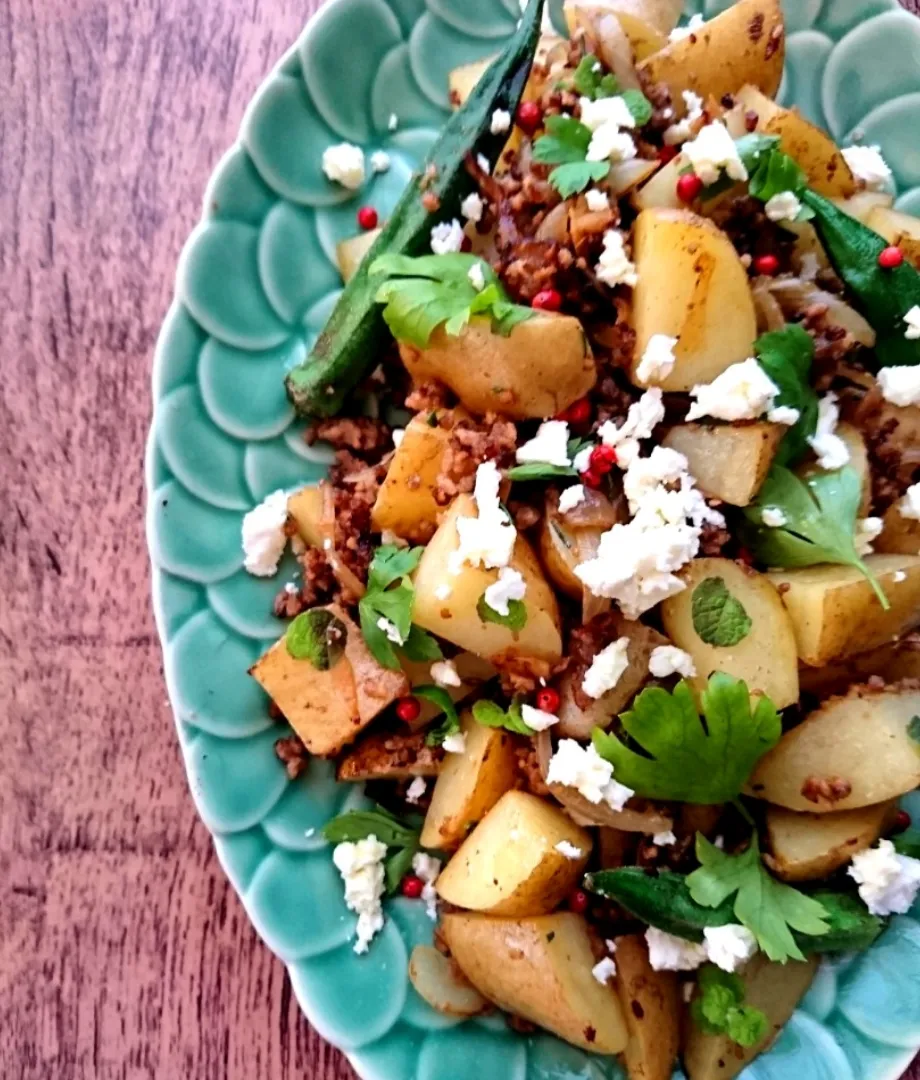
column 491, row 715
column 566, row 146
column 317, row 636
column 820, row 515
column 719, row 1009
column 718, row 617
column 360, row 824
column 768, row 908
column 515, row 620
column 786, row 356
column 539, row 470
column 574, row 177
column 390, row 595
column 681, row 759
column 439, row 697
column 591, row 82
column 390, row 563
column 639, row 105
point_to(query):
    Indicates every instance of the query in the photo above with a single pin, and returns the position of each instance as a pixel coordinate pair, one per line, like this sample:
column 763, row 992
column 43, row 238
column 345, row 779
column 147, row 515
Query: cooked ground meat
column 834, row 344
column 355, row 486
column 525, row 514
column 894, row 456
column 292, row 752
column 427, row 396
column 361, row 434
column 471, row 443
column 713, row 538
column 529, row 769
column 750, row 230
column 662, row 105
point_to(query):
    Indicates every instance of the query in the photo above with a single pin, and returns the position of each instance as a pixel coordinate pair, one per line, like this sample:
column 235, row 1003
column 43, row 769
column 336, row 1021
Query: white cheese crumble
column 604, row 970
column 669, row 953
column 729, row 946
column 444, row 673
column 443, row 591
column 658, row 360
column 263, row 535
column 501, row 122
column 784, row 414
column 455, row 744
column 867, row 530
column 606, row 668
column 831, row 450
column 713, row 150
column 597, row 200
column 773, row 517
column 898, row 576
column 487, row 540
column 582, row 768
column 477, row 277
column 393, row 122
column 582, row 460
column 696, row 22
column 664, row 839
column 361, row 867
column 641, row 420
column 570, row 498
column 608, row 143
column 888, row 882
column 380, row 161
column 669, row 660
column 537, row 719
column 387, row 536
column 909, row 506
column 483, row 162
column 472, row 207
column 427, row 867
column 683, row 130
column 605, row 111
column 900, row 385
column 743, row 391
column 509, row 586
column 614, row 266
column 291, row 588
column 912, row 318
column 447, row 237
column 784, row 206
column 867, row 164
column 391, row 631
column 398, row 435
column 416, row 790
column 569, row 851
column 549, row 446
column 344, row 164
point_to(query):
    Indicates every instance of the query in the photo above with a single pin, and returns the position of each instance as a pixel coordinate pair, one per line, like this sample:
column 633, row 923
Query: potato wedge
column 835, row 613
column 660, row 193
column 692, row 286
column 765, row 658
column 349, row 254
column 461, row 81
column 859, row 460
column 652, row 1007
column 440, row 982
column 894, row 661
column 861, row 205
column 729, row 461
column 306, row 508
column 538, row 370
column 774, row 988
column 897, row 228
column 456, row 618
column 745, row 44
column 469, row 784
column 852, row 751
column 389, row 756
column 510, row 864
column 808, row 847
column 540, row 969
column 329, row 709
column 814, row 151
column 900, row 535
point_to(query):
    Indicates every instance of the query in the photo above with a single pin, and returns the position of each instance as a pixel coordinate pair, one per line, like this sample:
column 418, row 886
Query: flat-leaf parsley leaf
column 719, row 1009
column 786, row 356
column 565, row 145
column 390, row 595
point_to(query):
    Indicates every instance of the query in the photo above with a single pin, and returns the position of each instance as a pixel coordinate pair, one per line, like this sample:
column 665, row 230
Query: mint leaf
column 679, row 758
column 491, row 715
column 718, row 617
column 360, row 824
column 317, row 636
column 515, row 620
column 786, row 356
column 913, row 729
column 390, row 563
column 639, row 105
column 539, row 470
column 719, row 1008
column 390, row 595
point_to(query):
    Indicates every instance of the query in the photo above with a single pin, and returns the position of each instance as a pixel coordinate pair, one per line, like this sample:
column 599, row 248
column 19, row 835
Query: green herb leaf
column 820, row 523
column 317, row 636
column 913, row 729
column 719, row 1009
column 908, row 843
column 382, row 649
column 639, row 105
column 390, row 595
column 398, row 865
column 450, row 725
column 420, row 646
column 491, row 715
column 390, row 563
column 681, row 759
column 774, row 173
column 752, row 149
column 718, row 617
column 538, row 470
column 566, row 146
column 591, row 81
column 786, row 356
column 515, row 620
column 572, row 178
column 769, row 909
column 360, row 824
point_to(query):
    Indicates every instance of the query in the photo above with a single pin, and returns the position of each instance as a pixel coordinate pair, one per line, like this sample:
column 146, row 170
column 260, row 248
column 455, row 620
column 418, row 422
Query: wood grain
column 124, row 955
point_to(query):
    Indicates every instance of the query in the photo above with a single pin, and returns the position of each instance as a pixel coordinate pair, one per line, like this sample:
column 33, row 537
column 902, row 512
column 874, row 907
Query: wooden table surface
column 124, row 954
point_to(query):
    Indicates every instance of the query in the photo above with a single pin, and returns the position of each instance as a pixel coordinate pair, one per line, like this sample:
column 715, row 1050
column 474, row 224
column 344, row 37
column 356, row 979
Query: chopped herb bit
column 515, row 620
column 718, row 617
column 719, row 1009
column 317, row 636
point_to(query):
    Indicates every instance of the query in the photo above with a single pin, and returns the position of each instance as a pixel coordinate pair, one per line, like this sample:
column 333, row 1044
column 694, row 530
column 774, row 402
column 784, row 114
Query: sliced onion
column 626, row 175
column 795, row 295
column 605, row 37
column 595, row 511
column 555, row 226
column 769, row 313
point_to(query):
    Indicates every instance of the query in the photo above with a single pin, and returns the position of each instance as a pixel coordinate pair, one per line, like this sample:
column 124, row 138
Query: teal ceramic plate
column 255, row 283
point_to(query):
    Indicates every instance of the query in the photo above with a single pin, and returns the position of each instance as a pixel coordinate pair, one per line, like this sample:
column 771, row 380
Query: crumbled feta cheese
column 263, row 535
column 695, row 22
column 597, row 200
column 455, row 744
column 537, row 719
column 569, row 850
column 912, row 318
column 393, row 122
column 867, row 164
column 443, row 591
column 729, row 946
column 447, row 237
column 683, row 130
column 604, row 111
column 645, row 475
column 606, row 668
column 487, row 540
column 898, row 576
column 501, row 122
column 476, row 277
column 391, row 631
column 509, row 586
column 743, row 391
column 380, row 161
column 719, row 842
column 582, row 768
column 582, row 460
column 298, row 544
column 712, row 151
column 831, row 450
column 909, row 506
column 888, row 882
column 416, row 790
column 641, row 420
column 483, row 162
column 472, row 207
column 658, row 360
column 570, row 498
column 784, row 414
column 611, row 945
column 549, row 446
column 773, row 517
column 427, row 867
column 398, row 435
column 614, row 266
column 444, row 673
column 669, row 660
column 608, row 143
column 291, row 588
column 344, row 164
column 669, row 953
column 664, row 839
column 361, row 867
column 867, row 530
column 900, row 385
column 784, row 206
column 604, row 970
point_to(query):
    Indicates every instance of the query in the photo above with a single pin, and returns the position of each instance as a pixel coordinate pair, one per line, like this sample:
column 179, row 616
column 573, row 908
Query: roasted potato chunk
column 897, row 228
column 729, row 461
column 808, row 847
column 349, row 254
column 651, row 1006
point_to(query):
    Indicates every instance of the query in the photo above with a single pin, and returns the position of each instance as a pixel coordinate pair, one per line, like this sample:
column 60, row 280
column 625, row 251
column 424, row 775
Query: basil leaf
column 539, row 470
column 360, row 824
column 420, row 646
column 718, row 617
column 398, row 865
column 317, row 636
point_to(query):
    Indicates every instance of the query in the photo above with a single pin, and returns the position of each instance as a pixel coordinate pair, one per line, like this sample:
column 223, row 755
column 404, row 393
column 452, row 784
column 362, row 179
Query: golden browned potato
column 900, row 535
column 388, row 756
column 897, row 228
column 765, row 658
column 329, row 709
column 814, row 150
column 441, row 983
column 461, row 81
column 646, row 23
column 852, row 751
column 835, row 612
column 306, row 508
column 773, row 988
column 745, row 44
column 894, row 661
column 729, row 461
column 510, row 864
column 809, row 847
column 349, row 254
column 651, row 1006
column 455, row 617
column 692, row 286
column 861, row 205
column 538, row 370
column 469, row 785
column 859, row 460
column 540, row 969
